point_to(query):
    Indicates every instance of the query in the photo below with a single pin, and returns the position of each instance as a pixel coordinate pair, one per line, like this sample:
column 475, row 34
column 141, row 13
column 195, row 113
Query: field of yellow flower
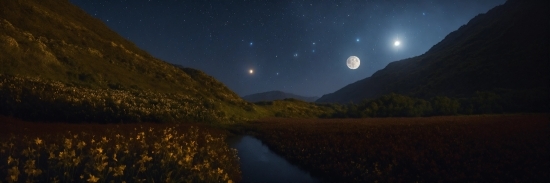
column 120, row 153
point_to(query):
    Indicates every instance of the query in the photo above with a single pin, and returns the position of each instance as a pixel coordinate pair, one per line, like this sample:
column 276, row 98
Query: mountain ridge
column 503, row 50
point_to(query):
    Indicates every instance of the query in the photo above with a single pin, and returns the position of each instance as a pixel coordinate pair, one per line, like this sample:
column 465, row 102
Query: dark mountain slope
column 58, row 63
column 503, row 51
column 276, row 95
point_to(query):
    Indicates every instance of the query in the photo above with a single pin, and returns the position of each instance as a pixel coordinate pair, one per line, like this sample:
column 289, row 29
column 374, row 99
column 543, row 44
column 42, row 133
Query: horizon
column 294, row 47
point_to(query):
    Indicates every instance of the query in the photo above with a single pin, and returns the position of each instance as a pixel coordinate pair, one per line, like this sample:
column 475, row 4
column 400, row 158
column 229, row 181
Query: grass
column 293, row 108
column 39, row 99
column 58, row 46
column 482, row 148
column 485, row 148
column 59, row 152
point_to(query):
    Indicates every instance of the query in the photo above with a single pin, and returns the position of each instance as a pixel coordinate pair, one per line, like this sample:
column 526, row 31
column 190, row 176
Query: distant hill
column 59, row 63
column 276, row 95
column 504, row 51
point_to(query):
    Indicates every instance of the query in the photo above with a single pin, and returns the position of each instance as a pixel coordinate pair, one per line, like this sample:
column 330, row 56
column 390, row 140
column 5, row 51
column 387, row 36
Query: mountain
column 59, row 63
column 504, row 51
column 276, row 95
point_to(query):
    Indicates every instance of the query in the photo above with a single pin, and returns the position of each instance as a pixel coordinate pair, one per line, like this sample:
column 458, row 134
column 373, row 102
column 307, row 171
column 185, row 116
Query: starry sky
column 295, row 46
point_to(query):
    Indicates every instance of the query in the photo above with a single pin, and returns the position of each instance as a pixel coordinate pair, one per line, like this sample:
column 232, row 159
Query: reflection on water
column 259, row 164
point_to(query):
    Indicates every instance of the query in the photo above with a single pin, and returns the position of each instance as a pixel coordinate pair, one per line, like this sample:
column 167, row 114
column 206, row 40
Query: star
column 211, row 36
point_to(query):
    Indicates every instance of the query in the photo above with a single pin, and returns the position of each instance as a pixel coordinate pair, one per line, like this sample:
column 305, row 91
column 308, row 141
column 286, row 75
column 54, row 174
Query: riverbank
column 484, row 148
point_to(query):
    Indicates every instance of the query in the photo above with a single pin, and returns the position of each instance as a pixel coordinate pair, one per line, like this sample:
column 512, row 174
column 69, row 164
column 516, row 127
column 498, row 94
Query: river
column 260, row 164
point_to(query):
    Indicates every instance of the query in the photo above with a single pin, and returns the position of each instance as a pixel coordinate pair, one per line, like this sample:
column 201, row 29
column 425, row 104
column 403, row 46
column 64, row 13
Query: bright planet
column 396, row 43
column 353, row 62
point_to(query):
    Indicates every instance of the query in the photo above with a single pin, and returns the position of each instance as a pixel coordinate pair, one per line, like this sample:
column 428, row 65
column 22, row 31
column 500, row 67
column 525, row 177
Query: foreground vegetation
column 121, row 153
column 58, row 63
column 34, row 98
column 492, row 148
column 396, row 105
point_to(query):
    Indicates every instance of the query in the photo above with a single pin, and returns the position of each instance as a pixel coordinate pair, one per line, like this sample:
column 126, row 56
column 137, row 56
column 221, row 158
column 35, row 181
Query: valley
column 81, row 103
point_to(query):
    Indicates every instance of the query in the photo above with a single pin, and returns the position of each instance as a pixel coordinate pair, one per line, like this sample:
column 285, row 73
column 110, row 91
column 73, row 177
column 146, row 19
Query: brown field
column 486, row 148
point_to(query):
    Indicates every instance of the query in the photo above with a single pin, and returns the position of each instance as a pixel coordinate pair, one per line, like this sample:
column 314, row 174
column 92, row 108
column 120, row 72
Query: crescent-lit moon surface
column 353, row 62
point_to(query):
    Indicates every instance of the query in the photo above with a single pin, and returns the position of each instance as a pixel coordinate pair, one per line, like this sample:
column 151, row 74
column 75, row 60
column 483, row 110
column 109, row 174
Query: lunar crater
column 353, row 62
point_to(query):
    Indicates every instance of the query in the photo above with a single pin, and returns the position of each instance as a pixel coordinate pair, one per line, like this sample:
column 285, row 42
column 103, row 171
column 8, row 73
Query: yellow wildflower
column 38, row 141
column 14, row 174
column 93, row 179
column 68, row 143
column 81, row 144
column 119, row 170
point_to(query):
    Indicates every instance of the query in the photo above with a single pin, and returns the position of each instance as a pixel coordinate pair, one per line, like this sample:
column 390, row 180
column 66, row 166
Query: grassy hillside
column 276, row 95
column 54, row 54
column 504, row 51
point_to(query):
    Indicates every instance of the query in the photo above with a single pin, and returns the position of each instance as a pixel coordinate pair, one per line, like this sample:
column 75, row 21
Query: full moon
column 396, row 43
column 251, row 71
column 353, row 62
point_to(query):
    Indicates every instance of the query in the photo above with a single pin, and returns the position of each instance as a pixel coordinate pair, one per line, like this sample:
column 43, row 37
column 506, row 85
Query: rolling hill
column 276, row 95
column 59, row 63
column 504, row 51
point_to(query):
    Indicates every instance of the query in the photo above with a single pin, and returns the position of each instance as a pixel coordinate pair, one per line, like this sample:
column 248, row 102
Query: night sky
column 299, row 47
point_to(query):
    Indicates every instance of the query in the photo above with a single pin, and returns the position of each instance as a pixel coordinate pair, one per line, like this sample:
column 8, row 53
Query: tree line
column 482, row 102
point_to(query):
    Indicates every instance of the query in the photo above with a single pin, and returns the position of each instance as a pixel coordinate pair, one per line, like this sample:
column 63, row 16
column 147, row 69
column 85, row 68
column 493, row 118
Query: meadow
column 477, row 148
column 148, row 152
column 482, row 148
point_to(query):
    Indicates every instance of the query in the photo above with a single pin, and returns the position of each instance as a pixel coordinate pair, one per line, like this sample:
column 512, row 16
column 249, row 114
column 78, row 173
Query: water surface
column 259, row 164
